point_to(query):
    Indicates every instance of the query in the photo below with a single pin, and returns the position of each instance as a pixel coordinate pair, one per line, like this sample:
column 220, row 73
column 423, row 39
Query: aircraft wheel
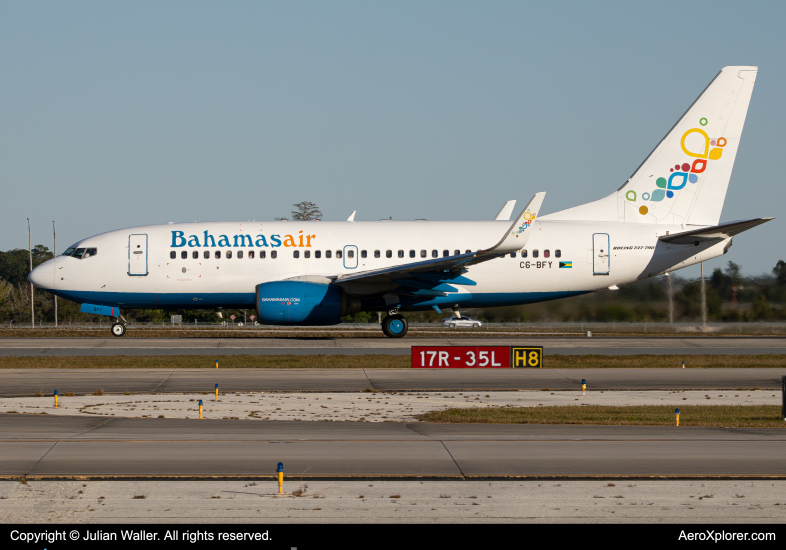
column 118, row 329
column 395, row 326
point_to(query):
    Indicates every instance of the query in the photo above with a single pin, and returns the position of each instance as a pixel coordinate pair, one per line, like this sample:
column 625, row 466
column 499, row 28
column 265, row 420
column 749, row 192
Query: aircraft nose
column 43, row 275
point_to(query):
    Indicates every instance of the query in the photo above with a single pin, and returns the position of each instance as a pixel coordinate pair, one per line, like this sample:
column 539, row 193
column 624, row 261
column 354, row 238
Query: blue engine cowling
column 298, row 303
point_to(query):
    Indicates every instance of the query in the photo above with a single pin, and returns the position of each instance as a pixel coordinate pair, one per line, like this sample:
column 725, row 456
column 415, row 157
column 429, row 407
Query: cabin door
column 137, row 255
column 600, row 254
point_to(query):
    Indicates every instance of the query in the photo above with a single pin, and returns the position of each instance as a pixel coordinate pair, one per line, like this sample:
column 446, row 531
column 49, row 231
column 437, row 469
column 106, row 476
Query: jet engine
column 302, row 303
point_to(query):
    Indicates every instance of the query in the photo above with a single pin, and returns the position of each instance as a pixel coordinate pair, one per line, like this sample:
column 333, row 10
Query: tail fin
column 685, row 178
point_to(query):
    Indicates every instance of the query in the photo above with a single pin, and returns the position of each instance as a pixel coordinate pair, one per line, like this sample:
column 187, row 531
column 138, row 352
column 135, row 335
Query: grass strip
column 727, row 416
column 374, row 361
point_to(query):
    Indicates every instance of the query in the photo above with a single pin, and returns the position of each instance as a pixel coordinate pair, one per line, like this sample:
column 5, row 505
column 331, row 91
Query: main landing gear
column 395, row 326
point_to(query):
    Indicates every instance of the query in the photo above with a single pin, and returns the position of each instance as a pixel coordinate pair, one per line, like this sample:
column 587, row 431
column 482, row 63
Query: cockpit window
column 80, row 253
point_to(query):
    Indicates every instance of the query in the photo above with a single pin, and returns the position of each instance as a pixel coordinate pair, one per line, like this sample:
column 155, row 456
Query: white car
column 457, row 322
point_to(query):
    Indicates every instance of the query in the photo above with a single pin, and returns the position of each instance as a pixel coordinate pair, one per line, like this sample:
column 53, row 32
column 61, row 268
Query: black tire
column 399, row 326
column 118, row 329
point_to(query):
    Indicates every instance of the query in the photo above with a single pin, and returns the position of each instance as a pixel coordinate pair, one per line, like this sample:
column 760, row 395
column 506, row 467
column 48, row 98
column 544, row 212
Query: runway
column 100, row 448
column 295, row 345
column 28, row 382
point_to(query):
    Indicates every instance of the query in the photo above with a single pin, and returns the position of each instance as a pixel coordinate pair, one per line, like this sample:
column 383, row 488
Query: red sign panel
column 460, row 357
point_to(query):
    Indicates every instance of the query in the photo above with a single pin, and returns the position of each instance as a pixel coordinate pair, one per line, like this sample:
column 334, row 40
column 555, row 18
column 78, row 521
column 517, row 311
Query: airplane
column 663, row 218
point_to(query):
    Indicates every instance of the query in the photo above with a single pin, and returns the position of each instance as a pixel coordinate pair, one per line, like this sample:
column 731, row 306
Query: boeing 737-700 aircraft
column 664, row 217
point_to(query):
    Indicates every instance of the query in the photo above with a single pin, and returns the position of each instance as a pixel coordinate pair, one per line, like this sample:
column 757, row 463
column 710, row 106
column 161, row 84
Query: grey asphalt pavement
column 656, row 345
column 21, row 382
column 35, row 445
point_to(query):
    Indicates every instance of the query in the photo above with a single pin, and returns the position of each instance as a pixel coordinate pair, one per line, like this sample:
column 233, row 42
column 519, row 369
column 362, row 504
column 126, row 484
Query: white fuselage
column 115, row 276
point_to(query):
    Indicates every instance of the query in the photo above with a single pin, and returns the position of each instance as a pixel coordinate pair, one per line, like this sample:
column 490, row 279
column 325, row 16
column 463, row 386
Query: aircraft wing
column 432, row 277
column 714, row 233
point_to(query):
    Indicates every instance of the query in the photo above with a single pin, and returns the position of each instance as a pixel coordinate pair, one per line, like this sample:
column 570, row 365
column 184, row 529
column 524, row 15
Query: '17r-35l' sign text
column 476, row 357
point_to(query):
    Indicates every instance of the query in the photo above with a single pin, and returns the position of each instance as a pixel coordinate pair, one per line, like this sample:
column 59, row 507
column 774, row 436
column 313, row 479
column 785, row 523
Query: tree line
column 731, row 297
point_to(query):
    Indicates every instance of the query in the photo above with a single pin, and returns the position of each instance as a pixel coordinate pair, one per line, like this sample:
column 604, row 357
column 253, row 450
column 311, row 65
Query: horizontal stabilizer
column 714, row 233
column 507, row 210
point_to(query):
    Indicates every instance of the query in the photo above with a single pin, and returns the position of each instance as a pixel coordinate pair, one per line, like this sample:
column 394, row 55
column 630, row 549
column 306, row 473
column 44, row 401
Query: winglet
column 351, row 217
column 516, row 236
column 507, row 210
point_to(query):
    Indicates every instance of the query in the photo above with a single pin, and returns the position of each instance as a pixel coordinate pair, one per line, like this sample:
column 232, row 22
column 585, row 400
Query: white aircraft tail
column 685, row 178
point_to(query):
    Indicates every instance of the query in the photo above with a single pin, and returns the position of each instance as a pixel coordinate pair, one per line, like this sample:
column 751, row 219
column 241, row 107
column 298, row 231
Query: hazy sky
column 114, row 114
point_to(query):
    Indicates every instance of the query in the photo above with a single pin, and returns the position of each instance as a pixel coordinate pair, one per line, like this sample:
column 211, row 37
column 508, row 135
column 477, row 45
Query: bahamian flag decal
column 565, row 264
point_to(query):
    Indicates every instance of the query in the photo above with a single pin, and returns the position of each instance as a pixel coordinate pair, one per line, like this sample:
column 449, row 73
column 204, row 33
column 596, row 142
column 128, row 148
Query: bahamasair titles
column 666, row 216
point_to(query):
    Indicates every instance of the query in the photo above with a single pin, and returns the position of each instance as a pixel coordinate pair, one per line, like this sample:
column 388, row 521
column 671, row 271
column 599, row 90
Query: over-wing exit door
column 137, row 255
column 600, row 254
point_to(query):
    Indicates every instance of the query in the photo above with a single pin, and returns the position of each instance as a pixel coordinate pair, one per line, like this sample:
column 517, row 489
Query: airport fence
column 555, row 328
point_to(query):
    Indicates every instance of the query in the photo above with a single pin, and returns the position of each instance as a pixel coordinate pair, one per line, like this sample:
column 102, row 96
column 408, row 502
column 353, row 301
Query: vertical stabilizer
column 685, row 178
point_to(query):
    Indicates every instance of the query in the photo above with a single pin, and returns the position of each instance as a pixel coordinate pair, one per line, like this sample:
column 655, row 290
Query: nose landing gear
column 118, row 327
column 395, row 326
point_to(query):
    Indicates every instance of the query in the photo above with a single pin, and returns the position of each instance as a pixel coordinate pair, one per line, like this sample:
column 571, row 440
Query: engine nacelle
column 299, row 303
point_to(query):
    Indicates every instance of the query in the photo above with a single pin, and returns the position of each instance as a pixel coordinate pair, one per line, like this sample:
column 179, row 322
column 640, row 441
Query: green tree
column 15, row 264
column 306, row 210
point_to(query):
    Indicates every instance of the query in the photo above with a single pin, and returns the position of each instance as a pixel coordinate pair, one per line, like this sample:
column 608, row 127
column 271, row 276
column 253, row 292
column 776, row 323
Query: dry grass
column 376, row 361
column 730, row 416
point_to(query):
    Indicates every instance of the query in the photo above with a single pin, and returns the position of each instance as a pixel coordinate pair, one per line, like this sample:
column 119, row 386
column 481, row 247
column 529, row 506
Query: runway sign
column 476, row 357
column 531, row 357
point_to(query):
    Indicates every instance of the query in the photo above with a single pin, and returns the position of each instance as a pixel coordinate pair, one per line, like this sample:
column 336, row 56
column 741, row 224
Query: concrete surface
column 38, row 445
column 658, row 345
column 20, row 382
column 351, row 406
column 716, row 502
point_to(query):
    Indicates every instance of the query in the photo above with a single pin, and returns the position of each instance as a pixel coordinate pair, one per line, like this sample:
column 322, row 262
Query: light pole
column 54, row 255
column 30, row 254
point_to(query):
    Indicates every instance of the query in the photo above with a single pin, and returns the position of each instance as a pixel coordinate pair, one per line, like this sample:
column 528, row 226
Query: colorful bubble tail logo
column 682, row 174
column 529, row 217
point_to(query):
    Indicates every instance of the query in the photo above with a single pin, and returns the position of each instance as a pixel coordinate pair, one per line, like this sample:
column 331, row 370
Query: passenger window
column 411, row 253
column 363, row 254
column 338, row 254
column 377, row 254
column 239, row 254
column 558, row 253
column 456, row 252
column 512, row 254
column 389, row 254
column 351, row 253
column 546, row 253
column 317, row 253
column 296, row 254
column 172, row 255
column 423, row 253
column 262, row 254
column 468, row 252
column 445, row 253
column 435, row 254
column 206, row 254
column 328, row 253
column 306, row 253
column 195, row 254
column 183, row 254
column 274, row 254
column 523, row 253
column 90, row 252
column 218, row 254
column 535, row 253
column 229, row 255
column 250, row 254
